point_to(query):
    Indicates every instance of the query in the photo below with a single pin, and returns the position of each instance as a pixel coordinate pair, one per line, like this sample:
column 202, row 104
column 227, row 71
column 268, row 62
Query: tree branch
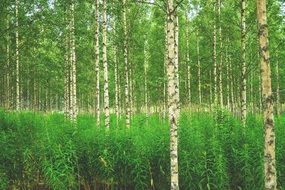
column 149, row 3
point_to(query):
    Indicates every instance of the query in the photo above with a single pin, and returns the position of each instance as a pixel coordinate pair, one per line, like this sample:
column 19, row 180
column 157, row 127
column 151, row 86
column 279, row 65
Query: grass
column 215, row 152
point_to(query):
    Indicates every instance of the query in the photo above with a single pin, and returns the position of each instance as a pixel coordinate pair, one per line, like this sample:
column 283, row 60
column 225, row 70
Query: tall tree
column 270, row 176
column 277, row 88
column 221, row 55
column 18, row 103
column 97, row 63
column 105, row 63
column 188, row 60
column 173, row 90
column 215, row 54
column 126, row 54
column 243, row 65
column 199, row 68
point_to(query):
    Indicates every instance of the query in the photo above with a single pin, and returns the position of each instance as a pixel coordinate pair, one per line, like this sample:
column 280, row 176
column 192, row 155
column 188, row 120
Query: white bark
column 215, row 58
column 243, row 73
column 105, row 63
column 127, row 85
column 173, row 91
column 97, row 64
column 277, row 89
column 221, row 57
column 270, row 175
column 72, row 68
column 199, row 69
column 17, row 58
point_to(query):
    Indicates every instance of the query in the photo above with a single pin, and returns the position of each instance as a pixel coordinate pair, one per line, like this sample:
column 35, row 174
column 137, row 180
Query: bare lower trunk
column 97, row 64
column 127, row 95
column 277, row 89
column 8, row 66
column 73, row 108
column 221, row 57
column 17, row 58
column 215, row 59
column 173, row 92
column 188, row 61
column 269, row 134
column 228, row 79
column 105, row 63
column 116, row 87
column 145, row 78
column 199, row 69
column 243, row 72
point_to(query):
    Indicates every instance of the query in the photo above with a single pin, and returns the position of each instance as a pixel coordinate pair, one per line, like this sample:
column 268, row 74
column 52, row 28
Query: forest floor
column 215, row 152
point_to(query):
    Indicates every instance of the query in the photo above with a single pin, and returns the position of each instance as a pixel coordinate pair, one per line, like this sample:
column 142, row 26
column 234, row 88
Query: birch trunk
column 145, row 78
column 116, row 85
column 127, row 95
column 66, row 79
column 215, row 58
column 228, row 78
column 17, row 58
column 173, row 91
column 97, row 64
column 221, row 57
column 105, row 63
column 243, row 72
column 269, row 134
column 277, row 89
column 188, row 61
column 164, row 70
column 8, row 65
column 73, row 109
column 231, row 85
column 199, row 69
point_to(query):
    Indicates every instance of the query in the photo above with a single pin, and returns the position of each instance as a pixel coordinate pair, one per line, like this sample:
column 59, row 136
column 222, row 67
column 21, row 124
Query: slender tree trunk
column 116, row 84
column 8, row 65
column 269, row 134
column 243, row 73
column 221, row 57
column 215, row 57
column 176, row 25
column 228, row 77
column 211, row 91
column 66, row 79
column 127, row 95
column 199, row 69
column 17, row 58
column 277, row 89
column 105, row 63
column 145, row 78
column 173, row 92
column 188, row 61
column 164, row 70
column 97, row 64
column 73, row 98
column 231, row 85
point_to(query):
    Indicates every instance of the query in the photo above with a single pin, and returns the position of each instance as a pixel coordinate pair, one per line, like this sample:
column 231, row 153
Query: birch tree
column 173, row 91
column 270, row 175
column 243, row 65
column 97, row 63
column 126, row 53
column 17, row 57
column 105, row 63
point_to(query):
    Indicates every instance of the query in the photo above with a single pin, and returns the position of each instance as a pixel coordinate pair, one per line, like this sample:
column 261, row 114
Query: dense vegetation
column 39, row 148
column 184, row 81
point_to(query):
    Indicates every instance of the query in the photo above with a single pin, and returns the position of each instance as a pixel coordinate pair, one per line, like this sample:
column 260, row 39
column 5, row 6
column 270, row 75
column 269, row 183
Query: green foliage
column 215, row 152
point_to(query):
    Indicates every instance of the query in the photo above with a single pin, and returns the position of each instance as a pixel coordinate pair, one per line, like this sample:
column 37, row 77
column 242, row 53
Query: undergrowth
column 215, row 152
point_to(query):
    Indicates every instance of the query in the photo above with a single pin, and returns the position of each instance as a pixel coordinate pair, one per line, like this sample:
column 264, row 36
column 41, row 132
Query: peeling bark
column 270, row 175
